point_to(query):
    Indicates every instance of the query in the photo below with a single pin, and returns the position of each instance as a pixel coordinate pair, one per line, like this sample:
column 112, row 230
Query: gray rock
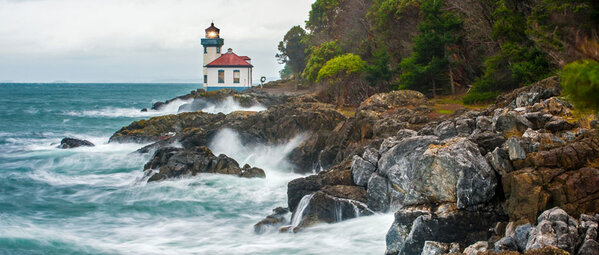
column 514, row 149
column 405, row 133
column 426, row 131
column 511, row 122
column 506, row 244
column 361, row 170
column 463, row 227
column 400, row 229
column 377, row 193
column 589, row 247
column 426, row 173
column 527, row 99
column 487, row 141
column 499, row 160
column 556, row 228
column 437, row 248
column 465, row 126
column 484, row 123
column 371, row 155
column 446, row 130
column 521, row 236
column 588, row 227
column 387, row 144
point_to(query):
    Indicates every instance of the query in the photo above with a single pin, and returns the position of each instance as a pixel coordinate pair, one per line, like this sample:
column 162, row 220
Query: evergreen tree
column 429, row 67
column 292, row 51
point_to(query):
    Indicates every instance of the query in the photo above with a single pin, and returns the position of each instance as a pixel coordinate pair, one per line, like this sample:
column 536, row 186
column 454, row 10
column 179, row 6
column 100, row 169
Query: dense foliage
column 478, row 47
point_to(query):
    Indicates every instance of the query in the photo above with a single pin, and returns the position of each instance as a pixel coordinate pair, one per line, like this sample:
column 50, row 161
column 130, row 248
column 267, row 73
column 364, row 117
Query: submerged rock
column 172, row 162
column 69, row 143
column 273, row 221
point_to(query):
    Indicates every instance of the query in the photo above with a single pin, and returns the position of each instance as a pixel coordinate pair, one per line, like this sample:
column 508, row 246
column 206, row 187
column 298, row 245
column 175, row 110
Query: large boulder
column 426, row 171
column 69, row 143
column 273, row 221
column 172, row 162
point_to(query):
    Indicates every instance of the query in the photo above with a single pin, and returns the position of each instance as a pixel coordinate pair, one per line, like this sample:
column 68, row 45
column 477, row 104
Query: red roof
column 229, row 60
column 246, row 58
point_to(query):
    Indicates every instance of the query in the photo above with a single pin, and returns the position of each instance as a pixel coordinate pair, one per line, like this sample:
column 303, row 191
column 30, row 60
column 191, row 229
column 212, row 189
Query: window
column 205, row 78
column 221, row 76
column 236, row 75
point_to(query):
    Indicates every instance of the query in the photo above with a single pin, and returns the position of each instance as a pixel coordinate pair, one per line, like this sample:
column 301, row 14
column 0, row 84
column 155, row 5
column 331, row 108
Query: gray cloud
column 135, row 40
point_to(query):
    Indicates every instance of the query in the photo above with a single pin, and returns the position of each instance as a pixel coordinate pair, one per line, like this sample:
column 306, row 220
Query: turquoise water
column 93, row 201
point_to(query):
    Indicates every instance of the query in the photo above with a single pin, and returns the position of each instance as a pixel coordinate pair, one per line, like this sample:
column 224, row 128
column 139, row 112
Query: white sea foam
column 229, row 105
column 225, row 106
column 104, row 209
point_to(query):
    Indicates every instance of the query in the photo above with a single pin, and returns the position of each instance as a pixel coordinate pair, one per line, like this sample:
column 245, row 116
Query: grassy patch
column 347, row 111
column 441, row 111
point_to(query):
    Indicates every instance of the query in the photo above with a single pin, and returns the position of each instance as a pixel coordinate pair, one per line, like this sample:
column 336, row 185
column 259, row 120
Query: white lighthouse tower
column 226, row 70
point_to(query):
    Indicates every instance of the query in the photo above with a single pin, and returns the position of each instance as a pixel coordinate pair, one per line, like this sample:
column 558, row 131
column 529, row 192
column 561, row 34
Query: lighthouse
column 224, row 70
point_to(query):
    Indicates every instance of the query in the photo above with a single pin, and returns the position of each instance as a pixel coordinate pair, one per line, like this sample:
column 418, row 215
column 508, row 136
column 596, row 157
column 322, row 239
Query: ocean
column 93, row 200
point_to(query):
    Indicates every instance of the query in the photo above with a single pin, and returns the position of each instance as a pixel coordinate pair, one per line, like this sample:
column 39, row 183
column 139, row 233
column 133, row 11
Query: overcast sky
column 136, row 40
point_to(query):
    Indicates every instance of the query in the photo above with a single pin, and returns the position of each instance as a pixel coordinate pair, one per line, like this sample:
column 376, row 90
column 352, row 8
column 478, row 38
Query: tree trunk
column 451, row 81
column 434, row 89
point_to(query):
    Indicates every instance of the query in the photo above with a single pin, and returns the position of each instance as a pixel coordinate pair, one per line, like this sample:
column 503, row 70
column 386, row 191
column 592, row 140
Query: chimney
column 230, row 50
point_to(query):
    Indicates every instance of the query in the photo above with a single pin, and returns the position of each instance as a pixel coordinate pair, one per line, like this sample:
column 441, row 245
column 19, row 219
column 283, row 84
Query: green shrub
column 318, row 57
column 344, row 65
column 580, row 81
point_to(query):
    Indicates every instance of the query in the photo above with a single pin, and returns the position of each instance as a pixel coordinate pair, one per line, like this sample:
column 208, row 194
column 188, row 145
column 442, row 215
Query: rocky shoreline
column 520, row 176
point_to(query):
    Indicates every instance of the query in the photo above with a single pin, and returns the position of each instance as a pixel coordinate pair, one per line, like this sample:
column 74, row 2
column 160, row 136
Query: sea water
column 93, row 200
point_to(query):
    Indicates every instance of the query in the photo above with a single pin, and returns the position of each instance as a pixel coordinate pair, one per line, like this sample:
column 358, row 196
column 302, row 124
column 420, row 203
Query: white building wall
column 245, row 77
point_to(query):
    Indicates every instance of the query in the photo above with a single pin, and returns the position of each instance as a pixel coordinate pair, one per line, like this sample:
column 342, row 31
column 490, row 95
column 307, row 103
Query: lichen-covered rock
column 394, row 99
column 507, row 243
column 172, row 162
column 521, row 235
column 465, row 127
column 558, row 124
column 556, row 229
column 427, row 171
column 478, row 247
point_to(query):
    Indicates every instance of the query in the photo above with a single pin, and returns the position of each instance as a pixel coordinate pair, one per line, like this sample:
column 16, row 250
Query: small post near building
column 224, row 69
